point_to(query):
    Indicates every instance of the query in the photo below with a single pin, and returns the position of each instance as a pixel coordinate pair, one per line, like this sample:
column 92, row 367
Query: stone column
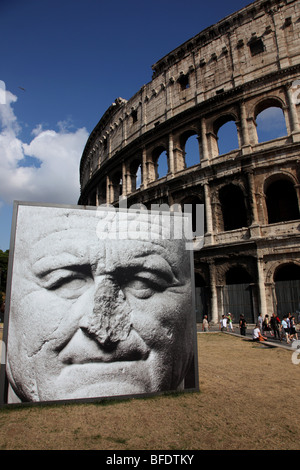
column 205, row 153
column 295, row 128
column 108, row 190
column 252, row 196
column 214, row 294
column 255, row 226
column 178, row 158
column 274, row 297
column 297, row 188
column 144, row 169
column 262, row 287
column 212, row 145
column 171, row 155
column 151, row 171
column 97, row 196
column 208, row 214
column 245, row 131
column 125, row 189
column 252, row 128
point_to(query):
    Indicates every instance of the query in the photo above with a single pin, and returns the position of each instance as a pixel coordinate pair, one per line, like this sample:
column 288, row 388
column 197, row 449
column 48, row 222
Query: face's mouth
column 84, row 349
column 88, row 369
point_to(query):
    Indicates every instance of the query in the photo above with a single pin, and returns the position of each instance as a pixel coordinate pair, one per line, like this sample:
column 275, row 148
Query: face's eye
column 69, row 283
column 145, row 284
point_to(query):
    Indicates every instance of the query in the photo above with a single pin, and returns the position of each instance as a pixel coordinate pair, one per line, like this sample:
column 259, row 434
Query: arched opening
column 184, row 81
column 161, row 163
column 191, row 150
column 287, row 289
column 135, row 174
column 238, row 295
column 233, row 207
column 237, row 275
column 270, row 122
column 102, row 194
column 117, row 184
column 281, row 201
column 138, row 177
column 93, row 198
column 201, row 298
column 227, row 135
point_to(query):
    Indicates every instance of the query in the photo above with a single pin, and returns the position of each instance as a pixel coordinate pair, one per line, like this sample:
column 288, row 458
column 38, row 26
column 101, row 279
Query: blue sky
column 63, row 63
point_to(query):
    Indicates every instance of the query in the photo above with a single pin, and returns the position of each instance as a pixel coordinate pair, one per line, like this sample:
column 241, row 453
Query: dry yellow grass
column 248, row 400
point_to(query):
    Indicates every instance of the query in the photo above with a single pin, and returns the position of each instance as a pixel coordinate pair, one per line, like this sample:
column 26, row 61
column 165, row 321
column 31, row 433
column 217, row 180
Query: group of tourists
column 284, row 330
column 273, row 327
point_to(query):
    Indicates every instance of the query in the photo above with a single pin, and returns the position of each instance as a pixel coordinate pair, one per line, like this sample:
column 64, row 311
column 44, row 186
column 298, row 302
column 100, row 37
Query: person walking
column 293, row 332
column 230, row 322
column 223, row 323
column 285, row 329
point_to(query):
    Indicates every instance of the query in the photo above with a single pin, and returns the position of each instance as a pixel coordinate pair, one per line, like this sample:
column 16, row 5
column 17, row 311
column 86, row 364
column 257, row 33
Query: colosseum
column 213, row 91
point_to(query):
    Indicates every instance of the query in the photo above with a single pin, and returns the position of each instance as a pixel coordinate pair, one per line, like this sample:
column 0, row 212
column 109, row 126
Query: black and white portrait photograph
column 95, row 311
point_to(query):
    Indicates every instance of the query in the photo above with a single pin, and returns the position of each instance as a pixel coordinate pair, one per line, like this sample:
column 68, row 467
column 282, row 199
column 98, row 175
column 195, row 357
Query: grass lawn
column 248, row 400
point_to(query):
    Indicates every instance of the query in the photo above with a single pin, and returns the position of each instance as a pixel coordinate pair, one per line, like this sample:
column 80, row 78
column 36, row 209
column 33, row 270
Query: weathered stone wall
column 230, row 72
column 218, row 59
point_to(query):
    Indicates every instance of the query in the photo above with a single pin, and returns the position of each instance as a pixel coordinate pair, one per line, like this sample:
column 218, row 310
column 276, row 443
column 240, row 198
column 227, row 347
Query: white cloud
column 55, row 177
column 37, row 130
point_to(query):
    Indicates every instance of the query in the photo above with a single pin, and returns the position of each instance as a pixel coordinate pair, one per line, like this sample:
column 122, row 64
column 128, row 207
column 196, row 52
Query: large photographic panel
column 100, row 304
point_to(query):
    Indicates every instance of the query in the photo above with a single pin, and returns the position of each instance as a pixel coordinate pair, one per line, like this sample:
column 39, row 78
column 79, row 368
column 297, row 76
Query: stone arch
column 201, row 297
column 286, row 290
column 281, row 198
column 289, row 270
column 267, row 102
column 161, row 162
column 102, row 193
column 275, row 267
column 238, row 294
column 135, row 173
column 93, row 197
column 238, row 274
column 270, row 120
column 116, row 185
column 190, row 147
column 226, row 133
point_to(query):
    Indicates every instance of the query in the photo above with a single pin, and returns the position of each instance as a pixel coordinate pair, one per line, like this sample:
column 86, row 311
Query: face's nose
column 109, row 321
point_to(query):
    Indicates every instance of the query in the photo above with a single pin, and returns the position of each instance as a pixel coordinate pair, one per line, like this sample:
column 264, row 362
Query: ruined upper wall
column 259, row 39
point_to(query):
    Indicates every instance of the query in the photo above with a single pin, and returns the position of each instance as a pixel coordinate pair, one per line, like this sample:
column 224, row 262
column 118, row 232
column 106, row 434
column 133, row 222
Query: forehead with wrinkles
column 47, row 236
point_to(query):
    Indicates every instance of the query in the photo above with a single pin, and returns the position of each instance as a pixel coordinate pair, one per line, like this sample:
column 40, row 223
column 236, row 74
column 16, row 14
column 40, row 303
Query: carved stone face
column 92, row 317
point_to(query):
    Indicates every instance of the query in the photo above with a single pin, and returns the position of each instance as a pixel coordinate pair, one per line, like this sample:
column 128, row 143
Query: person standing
column 243, row 325
column 293, row 332
column 275, row 325
column 288, row 320
column 205, row 324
